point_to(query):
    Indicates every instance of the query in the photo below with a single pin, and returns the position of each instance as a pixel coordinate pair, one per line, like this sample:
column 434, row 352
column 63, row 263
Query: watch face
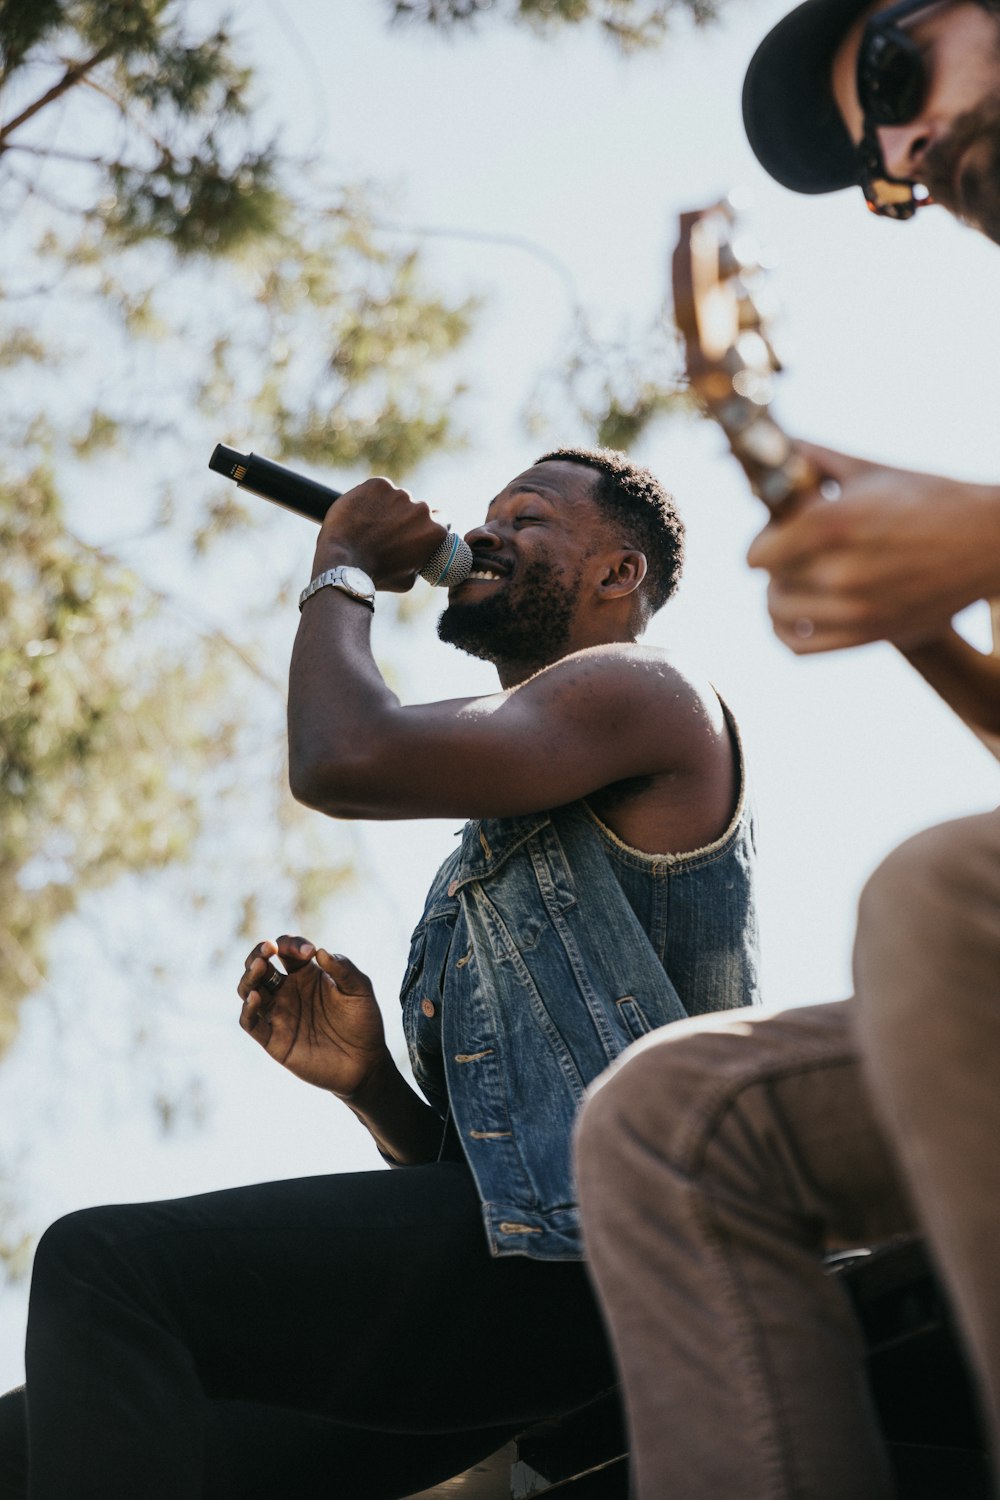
column 358, row 582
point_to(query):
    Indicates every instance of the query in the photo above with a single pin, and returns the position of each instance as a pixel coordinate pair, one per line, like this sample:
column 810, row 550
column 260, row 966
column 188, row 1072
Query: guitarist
column 718, row 1161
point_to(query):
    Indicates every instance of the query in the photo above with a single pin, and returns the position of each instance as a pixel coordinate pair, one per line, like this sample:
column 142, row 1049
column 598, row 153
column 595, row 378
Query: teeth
column 483, row 573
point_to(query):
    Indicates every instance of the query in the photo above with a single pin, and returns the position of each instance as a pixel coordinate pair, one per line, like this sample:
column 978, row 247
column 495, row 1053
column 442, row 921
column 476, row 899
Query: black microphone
column 450, row 563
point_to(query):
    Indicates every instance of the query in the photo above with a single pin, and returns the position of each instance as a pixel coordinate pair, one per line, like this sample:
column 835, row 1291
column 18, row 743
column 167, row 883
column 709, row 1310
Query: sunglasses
column 892, row 85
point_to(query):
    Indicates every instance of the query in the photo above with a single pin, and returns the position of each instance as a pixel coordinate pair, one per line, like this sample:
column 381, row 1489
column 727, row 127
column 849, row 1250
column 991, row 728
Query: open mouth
column 487, row 570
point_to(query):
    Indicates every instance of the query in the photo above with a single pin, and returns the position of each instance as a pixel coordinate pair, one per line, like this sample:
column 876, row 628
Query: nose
column 904, row 147
column 482, row 539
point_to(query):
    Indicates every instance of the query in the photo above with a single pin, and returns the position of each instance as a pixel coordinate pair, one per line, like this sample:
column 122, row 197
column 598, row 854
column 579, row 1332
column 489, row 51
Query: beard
column 527, row 622
column 975, row 197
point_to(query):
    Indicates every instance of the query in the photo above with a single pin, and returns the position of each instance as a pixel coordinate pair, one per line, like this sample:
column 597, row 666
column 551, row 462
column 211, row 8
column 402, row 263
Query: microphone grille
column 450, row 563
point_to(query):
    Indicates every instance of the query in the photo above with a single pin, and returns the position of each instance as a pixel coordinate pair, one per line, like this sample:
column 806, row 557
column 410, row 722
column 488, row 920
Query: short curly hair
column 642, row 514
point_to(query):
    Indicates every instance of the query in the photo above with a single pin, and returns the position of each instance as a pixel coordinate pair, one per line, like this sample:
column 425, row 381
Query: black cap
column 792, row 122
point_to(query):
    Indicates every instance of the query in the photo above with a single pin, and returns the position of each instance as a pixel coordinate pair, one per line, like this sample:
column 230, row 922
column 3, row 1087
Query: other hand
column 894, row 558
column 320, row 1020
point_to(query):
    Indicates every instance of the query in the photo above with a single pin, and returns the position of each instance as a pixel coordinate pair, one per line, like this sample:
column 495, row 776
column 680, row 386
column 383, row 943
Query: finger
column 782, row 546
column 806, row 639
column 435, row 523
column 347, row 977
column 831, row 462
column 262, row 950
column 295, row 952
column 801, row 540
column 821, row 596
column 808, row 623
column 254, row 1018
column 376, row 488
column 385, row 489
column 260, row 975
column 400, row 583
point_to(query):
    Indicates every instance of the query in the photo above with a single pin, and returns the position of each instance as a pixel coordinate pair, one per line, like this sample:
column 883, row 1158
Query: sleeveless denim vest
column 546, row 946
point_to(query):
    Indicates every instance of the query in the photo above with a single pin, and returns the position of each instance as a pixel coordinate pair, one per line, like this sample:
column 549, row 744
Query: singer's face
column 531, row 556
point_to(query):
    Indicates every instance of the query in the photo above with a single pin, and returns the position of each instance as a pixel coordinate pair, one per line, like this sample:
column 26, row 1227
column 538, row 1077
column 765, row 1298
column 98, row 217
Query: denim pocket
column 414, row 962
column 631, row 1013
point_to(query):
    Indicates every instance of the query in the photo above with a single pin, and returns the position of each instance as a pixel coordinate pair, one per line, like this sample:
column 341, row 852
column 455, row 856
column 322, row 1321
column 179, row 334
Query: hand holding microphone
column 379, row 527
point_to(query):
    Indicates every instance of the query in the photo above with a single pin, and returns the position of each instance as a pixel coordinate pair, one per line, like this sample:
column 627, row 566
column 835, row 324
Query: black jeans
column 348, row 1337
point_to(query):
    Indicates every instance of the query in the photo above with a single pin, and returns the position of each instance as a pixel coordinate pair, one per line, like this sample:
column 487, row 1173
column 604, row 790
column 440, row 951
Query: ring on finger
column 273, row 980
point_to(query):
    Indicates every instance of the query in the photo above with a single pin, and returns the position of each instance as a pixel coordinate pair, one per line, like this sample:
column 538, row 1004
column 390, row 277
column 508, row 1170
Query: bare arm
column 969, row 679
column 593, row 718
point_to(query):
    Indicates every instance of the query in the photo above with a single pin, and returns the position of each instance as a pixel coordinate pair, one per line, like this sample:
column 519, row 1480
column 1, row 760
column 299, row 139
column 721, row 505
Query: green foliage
column 198, row 205
column 176, row 284
column 617, row 387
column 350, row 340
column 100, row 754
column 19, row 344
column 24, row 25
column 629, row 24
column 168, row 152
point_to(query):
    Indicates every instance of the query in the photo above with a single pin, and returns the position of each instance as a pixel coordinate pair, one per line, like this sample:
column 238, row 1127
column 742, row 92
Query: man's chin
column 527, row 624
column 962, row 173
column 470, row 628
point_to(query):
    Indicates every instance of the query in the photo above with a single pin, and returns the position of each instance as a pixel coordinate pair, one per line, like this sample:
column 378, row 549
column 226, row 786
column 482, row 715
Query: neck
column 513, row 672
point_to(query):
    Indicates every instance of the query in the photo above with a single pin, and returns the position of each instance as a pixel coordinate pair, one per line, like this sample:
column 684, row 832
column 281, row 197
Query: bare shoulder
column 627, row 677
column 672, row 722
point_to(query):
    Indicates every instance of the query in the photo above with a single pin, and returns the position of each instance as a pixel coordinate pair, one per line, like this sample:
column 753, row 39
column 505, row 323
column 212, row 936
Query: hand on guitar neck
column 894, row 557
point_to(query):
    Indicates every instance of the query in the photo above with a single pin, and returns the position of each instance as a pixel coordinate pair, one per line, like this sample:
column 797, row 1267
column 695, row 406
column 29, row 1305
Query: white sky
column 890, row 335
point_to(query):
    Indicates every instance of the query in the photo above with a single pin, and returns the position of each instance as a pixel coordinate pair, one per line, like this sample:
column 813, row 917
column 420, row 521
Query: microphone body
column 449, row 564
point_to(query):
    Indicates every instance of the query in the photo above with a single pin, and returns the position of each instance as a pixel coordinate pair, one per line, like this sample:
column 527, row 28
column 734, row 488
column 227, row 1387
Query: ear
column 622, row 575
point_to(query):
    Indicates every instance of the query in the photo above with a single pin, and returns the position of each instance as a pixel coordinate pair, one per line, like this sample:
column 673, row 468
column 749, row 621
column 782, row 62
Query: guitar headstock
column 728, row 354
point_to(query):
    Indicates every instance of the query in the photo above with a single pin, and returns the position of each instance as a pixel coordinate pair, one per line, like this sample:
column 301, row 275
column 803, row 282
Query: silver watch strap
column 334, row 578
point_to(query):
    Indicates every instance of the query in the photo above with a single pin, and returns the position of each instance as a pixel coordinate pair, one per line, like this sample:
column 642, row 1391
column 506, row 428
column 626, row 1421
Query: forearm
column 338, row 700
column 968, row 680
column 402, row 1125
column 988, row 509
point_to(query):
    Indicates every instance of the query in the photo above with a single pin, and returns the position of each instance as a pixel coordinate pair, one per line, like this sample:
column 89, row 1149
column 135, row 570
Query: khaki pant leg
column 717, row 1161
column 927, row 966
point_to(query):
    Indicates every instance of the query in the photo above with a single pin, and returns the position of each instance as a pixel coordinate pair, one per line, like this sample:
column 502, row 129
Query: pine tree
column 170, row 281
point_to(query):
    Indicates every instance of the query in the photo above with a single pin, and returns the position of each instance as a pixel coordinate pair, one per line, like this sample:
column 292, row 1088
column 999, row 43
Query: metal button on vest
column 427, row 1006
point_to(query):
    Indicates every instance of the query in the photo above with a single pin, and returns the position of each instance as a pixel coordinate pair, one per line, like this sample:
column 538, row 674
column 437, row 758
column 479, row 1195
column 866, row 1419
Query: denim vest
column 546, row 946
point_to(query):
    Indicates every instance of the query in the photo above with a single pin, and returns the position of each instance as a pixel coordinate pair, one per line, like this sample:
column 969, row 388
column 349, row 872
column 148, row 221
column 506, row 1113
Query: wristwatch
column 353, row 581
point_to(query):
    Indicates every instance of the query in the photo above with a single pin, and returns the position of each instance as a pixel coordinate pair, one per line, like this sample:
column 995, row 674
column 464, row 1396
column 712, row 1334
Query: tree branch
column 205, row 628
column 50, row 151
column 131, row 119
column 73, row 75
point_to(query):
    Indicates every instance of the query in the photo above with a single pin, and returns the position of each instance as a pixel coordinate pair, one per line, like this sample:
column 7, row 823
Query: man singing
column 369, row 1334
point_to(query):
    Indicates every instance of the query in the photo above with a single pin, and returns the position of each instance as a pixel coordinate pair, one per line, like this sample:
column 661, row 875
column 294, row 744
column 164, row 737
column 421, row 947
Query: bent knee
column 625, row 1136
column 666, row 1093
column 928, row 912
column 77, row 1243
column 930, row 880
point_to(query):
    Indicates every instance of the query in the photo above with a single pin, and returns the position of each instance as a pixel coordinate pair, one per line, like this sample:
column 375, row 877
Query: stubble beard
column 528, row 622
column 978, row 202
